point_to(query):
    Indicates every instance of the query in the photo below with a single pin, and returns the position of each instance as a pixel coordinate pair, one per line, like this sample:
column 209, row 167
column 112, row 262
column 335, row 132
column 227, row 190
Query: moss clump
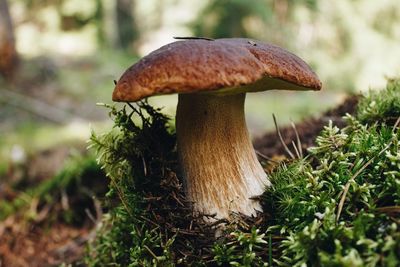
column 381, row 105
column 337, row 207
column 340, row 207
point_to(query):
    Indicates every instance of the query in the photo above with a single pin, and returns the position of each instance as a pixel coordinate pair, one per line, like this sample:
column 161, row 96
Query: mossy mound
column 339, row 206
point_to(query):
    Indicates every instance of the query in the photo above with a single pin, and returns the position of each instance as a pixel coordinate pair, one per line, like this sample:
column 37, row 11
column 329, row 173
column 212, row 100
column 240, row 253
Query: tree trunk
column 8, row 53
column 126, row 26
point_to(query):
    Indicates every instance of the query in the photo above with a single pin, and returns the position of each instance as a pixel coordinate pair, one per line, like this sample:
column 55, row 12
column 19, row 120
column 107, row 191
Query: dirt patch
column 28, row 244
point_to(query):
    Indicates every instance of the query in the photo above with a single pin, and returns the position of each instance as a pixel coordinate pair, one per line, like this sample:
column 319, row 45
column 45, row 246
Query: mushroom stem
column 218, row 162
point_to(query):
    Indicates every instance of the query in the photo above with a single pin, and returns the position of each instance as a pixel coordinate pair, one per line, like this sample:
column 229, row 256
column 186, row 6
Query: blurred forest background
column 58, row 58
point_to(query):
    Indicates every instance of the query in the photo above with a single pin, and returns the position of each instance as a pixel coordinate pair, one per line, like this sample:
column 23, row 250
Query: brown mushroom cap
column 218, row 66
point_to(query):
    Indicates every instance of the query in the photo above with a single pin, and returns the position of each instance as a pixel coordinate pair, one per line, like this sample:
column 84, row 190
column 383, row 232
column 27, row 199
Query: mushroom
column 219, row 166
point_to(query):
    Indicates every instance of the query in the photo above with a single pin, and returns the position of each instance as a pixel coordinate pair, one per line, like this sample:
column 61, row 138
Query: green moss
column 381, row 105
column 305, row 198
column 136, row 156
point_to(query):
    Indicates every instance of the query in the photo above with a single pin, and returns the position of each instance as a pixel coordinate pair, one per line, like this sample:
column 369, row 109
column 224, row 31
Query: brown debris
column 26, row 244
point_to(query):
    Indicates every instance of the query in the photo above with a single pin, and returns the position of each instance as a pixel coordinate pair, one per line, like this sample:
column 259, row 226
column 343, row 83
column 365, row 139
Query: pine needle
column 281, row 139
column 261, row 155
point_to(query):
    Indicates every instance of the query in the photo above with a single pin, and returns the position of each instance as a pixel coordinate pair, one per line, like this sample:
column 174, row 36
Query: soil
column 50, row 242
column 23, row 243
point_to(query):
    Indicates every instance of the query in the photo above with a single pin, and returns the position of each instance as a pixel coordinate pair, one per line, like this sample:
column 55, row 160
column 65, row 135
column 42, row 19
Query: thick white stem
column 218, row 162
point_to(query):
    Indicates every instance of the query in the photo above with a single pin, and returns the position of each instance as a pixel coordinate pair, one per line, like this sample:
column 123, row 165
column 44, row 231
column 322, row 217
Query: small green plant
column 241, row 249
column 122, row 241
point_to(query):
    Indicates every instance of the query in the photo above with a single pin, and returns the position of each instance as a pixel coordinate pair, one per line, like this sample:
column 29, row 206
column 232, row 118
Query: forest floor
column 48, row 240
